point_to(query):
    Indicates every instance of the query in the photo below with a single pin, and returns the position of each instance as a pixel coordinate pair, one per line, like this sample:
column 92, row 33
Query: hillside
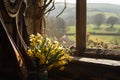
column 70, row 8
column 104, row 7
column 92, row 8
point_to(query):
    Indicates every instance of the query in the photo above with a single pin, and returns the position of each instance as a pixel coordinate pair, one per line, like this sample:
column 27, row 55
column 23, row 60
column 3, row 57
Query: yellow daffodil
column 30, row 52
column 62, row 68
column 48, row 53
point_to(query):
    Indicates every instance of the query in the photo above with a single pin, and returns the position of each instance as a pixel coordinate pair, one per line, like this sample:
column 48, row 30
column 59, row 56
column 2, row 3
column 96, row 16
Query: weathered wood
column 12, row 43
column 81, row 25
column 87, row 70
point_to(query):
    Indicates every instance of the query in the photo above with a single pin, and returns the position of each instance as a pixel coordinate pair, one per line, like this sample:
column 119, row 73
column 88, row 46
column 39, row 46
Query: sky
column 94, row 1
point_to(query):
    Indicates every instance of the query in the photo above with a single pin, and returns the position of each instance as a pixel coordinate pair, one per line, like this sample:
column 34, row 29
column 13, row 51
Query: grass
column 72, row 38
column 104, row 38
column 92, row 28
column 103, row 28
column 71, row 29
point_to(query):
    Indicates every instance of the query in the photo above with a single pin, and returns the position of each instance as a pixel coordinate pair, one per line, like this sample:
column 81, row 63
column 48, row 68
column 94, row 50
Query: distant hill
column 69, row 13
column 104, row 7
column 69, row 10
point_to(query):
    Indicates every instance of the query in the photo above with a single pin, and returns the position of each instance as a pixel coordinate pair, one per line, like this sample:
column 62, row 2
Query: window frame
column 81, row 25
column 81, row 17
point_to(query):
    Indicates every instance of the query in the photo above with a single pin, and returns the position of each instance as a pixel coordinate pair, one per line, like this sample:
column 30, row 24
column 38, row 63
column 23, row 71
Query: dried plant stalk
column 35, row 14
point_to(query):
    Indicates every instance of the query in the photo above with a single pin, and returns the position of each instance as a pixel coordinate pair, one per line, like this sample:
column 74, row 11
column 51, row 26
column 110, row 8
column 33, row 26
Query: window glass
column 103, row 24
column 62, row 27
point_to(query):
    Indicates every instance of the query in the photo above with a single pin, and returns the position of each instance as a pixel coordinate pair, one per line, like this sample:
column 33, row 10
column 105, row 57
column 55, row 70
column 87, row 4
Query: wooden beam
column 81, row 25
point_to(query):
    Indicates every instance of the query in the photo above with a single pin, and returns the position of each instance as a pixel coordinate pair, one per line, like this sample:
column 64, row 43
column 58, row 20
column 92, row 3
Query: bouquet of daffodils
column 47, row 53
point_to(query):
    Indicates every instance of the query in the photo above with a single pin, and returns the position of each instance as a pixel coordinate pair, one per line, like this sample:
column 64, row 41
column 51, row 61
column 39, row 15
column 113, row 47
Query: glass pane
column 62, row 27
column 103, row 24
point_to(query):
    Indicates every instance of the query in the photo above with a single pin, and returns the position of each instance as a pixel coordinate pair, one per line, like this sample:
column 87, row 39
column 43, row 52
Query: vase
column 42, row 74
column 41, row 70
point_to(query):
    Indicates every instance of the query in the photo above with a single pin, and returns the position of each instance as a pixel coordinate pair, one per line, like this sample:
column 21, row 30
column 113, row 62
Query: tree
column 61, row 25
column 90, row 20
column 99, row 19
column 52, row 29
column 112, row 20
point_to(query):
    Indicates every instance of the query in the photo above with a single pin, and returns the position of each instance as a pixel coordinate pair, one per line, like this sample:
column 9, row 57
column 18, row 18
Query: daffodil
column 48, row 53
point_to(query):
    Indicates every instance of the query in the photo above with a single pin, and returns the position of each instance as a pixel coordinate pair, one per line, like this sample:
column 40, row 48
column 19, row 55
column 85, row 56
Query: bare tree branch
column 62, row 10
column 51, row 8
column 50, row 1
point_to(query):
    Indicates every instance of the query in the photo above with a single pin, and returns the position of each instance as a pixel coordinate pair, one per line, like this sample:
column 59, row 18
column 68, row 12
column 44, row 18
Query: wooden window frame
column 81, row 25
column 81, row 11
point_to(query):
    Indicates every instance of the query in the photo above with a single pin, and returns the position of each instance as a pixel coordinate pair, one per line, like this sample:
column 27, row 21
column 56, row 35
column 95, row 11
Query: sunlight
column 104, row 1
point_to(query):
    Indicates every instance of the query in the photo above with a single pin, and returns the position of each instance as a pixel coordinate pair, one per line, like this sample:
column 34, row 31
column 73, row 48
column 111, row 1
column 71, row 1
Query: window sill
column 99, row 54
column 107, row 62
column 82, row 68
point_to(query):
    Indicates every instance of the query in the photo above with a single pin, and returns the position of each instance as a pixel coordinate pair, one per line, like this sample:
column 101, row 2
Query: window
column 63, row 27
column 81, row 31
column 71, row 17
column 103, row 24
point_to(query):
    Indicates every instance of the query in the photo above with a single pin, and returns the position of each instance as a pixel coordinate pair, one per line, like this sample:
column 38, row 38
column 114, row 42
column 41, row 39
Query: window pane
column 62, row 27
column 103, row 24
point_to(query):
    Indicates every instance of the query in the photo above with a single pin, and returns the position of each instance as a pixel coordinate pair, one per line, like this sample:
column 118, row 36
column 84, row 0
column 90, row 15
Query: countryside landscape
column 103, row 24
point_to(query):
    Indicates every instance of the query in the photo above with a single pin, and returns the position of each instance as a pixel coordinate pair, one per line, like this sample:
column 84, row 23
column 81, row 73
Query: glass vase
column 42, row 74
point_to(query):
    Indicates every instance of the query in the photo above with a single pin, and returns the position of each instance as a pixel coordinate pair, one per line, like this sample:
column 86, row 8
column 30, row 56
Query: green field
column 92, row 28
column 71, row 29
